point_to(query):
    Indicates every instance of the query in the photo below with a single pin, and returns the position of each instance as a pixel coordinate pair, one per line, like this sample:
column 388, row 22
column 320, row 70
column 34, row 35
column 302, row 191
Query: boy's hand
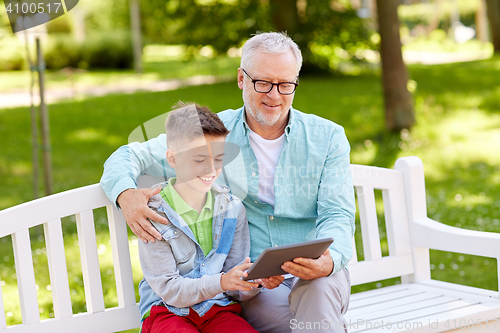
column 134, row 205
column 271, row 282
column 232, row 280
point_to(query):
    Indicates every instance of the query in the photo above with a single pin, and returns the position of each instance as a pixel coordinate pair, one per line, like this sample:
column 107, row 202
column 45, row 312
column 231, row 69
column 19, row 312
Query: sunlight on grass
column 461, row 137
column 157, row 67
column 439, row 44
column 92, row 135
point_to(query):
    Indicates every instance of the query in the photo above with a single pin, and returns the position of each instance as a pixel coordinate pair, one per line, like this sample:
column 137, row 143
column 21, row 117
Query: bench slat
column 385, row 268
column 379, row 291
column 414, row 316
column 360, row 303
column 453, row 319
column 90, row 261
column 432, row 310
column 405, row 307
column 57, row 269
column 396, row 221
column 369, row 223
column 391, row 304
column 375, row 177
column 110, row 320
column 448, row 321
column 25, row 277
column 121, row 257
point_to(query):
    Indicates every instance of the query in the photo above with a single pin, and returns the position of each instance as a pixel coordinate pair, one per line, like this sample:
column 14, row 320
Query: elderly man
column 297, row 185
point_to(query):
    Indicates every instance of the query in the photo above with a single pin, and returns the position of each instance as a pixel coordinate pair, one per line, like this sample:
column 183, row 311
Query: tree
column 493, row 8
column 398, row 101
column 324, row 30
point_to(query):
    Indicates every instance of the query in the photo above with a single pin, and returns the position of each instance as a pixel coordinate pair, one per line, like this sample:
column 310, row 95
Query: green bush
column 108, row 50
column 62, row 24
column 12, row 54
column 62, row 50
column 105, row 50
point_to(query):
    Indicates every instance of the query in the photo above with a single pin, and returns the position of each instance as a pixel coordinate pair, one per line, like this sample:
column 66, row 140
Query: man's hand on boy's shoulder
column 134, row 205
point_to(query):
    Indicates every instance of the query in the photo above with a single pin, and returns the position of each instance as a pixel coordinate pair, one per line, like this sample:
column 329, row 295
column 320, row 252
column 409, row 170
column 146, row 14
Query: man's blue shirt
column 314, row 195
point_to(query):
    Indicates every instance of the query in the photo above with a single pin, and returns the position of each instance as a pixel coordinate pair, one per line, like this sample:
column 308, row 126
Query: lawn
column 456, row 136
column 160, row 62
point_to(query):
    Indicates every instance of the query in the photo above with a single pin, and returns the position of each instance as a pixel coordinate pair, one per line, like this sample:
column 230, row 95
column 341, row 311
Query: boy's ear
column 171, row 158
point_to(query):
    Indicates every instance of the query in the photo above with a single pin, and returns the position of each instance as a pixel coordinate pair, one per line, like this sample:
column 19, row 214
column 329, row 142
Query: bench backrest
column 399, row 261
column 81, row 202
column 48, row 212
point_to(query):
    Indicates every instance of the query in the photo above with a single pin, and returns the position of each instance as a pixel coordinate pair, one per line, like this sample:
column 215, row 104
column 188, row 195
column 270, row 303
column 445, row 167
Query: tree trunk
column 135, row 24
column 493, row 9
column 398, row 101
column 481, row 22
column 284, row 15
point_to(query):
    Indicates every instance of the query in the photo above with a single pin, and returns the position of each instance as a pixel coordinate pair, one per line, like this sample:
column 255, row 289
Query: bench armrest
column 431, row 234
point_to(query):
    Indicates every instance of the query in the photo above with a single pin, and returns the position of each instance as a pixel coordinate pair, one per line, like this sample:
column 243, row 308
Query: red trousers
column 219, row 319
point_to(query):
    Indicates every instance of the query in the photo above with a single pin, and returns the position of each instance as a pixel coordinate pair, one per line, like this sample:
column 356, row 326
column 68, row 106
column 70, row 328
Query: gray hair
column 269, row 42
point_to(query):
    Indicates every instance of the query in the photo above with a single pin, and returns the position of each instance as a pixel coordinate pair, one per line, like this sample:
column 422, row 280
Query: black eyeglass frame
column 272, row 84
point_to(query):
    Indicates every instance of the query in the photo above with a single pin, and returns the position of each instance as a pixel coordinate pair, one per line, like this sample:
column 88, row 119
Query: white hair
column 269, row 42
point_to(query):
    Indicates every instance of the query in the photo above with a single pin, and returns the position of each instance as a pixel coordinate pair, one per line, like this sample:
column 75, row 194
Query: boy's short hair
column 189, row 121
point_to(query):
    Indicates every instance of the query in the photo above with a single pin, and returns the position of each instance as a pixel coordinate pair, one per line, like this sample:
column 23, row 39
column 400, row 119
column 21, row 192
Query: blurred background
column 429, row 87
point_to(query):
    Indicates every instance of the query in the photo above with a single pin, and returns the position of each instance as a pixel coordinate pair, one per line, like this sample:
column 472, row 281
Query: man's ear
column 171, row 158
column 241, row 76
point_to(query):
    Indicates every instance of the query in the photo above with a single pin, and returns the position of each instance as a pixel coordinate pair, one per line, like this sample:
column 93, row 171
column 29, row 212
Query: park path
column 22, row 97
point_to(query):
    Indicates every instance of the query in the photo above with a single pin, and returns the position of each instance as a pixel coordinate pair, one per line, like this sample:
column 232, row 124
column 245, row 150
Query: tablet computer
column 270, row 260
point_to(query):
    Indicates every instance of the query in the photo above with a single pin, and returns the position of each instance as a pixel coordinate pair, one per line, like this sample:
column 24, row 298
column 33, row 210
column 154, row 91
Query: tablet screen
column 270, row 260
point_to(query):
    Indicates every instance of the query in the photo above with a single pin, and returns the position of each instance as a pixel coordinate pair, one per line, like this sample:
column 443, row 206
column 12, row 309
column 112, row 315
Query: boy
column 190, row 275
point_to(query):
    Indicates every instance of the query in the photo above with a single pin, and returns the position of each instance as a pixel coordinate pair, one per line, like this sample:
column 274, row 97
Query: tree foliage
column 326, row 31
column 220, row 24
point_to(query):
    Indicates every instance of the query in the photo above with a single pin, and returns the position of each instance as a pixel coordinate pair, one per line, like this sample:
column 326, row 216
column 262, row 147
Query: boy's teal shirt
column 314, row 194
column 200, row 224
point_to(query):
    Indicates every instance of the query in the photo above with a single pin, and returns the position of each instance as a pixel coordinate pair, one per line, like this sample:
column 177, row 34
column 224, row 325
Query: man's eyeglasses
column 262, row 86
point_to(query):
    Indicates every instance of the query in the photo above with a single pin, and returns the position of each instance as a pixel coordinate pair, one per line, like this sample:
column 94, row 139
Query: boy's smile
column 197, row 166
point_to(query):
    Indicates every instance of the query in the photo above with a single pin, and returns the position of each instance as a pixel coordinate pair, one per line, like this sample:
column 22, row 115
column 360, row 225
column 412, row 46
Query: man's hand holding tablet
column 309, row 269
column 307, row 260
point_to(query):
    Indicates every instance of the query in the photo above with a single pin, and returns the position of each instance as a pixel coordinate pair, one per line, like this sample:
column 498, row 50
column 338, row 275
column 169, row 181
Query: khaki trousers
column 299, row 306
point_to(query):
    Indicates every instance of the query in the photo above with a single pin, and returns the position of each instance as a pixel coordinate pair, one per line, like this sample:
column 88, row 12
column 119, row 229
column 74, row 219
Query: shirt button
column 221, row 207
column 203, row 265
column 271, row 217
column 255, row 201
column 175, row 232
column 275, row 245
column 254, row 174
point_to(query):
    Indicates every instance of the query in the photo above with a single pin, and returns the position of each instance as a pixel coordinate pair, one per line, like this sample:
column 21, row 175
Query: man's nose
column 274, row 93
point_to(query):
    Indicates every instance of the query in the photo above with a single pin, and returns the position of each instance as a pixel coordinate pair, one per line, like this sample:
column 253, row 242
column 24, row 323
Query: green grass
column 156, row 67
column 458, row 130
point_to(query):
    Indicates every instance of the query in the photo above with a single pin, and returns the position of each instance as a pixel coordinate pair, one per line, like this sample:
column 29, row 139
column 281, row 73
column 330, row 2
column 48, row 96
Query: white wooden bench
column 418, row 304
